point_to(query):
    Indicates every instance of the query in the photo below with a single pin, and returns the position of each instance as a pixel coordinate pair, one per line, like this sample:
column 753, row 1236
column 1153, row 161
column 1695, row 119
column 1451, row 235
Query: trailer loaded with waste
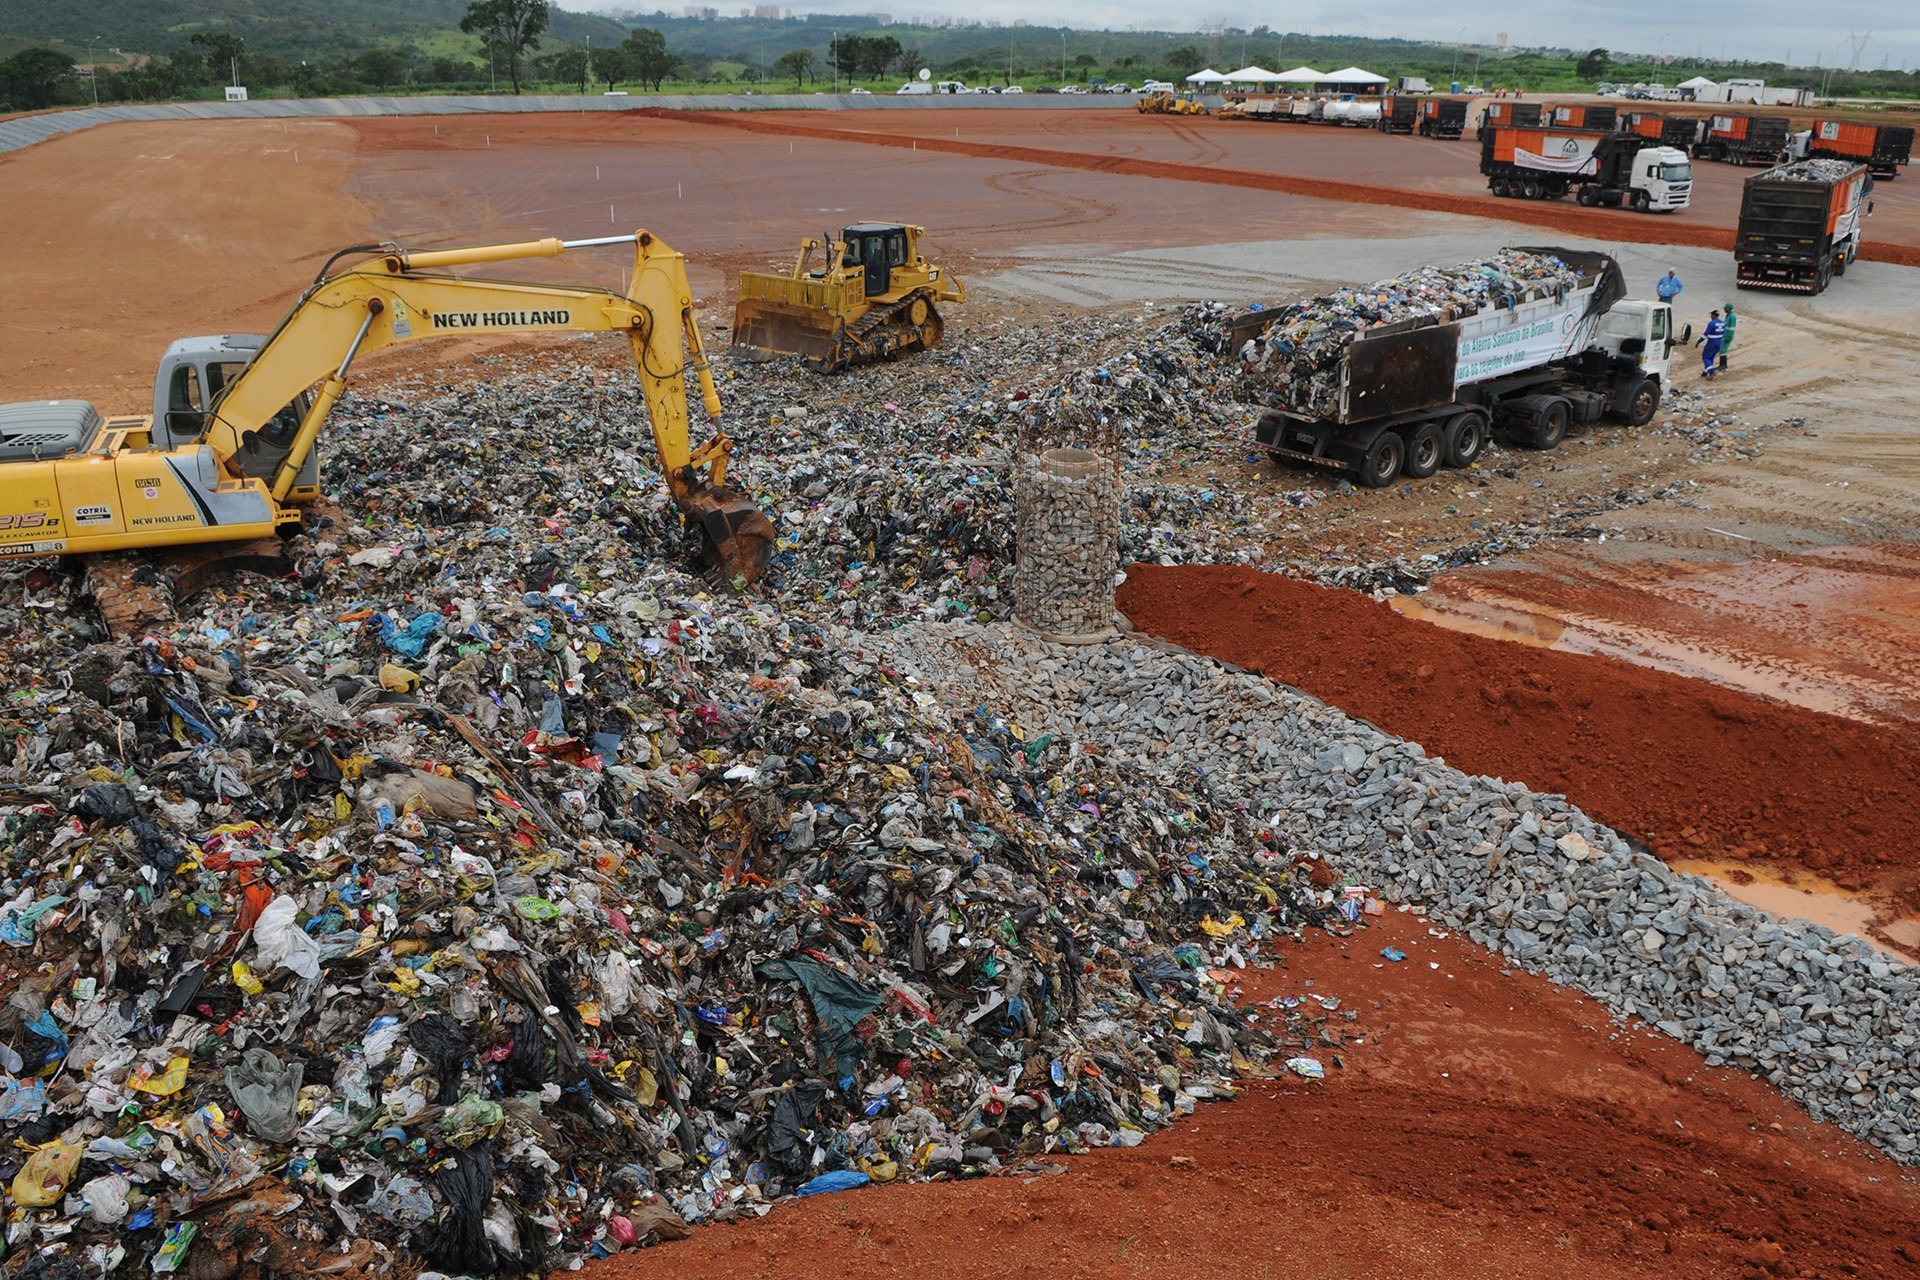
column 1411, row 374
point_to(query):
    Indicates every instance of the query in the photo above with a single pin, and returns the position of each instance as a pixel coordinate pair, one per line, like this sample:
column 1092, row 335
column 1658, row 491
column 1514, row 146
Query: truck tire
column 1499, row 187
column 1466, row 437
column 1550, row 428
column 1823, row 277
column 1381, row 466
column 1426, row 451
column 1840, row 264
column 1643, row 403
column 1641, row 202
column 1531, row 188
column 1588, row 196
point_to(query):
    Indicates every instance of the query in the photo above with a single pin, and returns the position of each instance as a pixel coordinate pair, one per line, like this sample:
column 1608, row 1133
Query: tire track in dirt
column 1592, row 223
column 1075, row 210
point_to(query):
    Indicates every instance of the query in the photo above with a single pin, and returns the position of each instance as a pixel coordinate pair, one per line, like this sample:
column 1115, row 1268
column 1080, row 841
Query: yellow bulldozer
column 1163, row 102
column 873, row 297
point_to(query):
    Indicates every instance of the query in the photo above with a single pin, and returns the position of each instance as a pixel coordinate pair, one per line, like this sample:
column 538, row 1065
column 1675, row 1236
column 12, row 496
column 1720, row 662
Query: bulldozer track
column 1074, row 209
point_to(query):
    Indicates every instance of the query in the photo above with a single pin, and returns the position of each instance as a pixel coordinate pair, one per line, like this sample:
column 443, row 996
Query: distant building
column 705, row 13
column 1501, row 42
column 881, row 19
column 766, row 11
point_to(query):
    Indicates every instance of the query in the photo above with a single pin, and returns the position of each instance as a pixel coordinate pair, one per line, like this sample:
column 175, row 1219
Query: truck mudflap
column 1319, row 444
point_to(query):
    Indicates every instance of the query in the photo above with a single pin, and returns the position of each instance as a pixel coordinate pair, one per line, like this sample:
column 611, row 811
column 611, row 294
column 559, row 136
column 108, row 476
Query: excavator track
column 136, row 591
column 911, row 324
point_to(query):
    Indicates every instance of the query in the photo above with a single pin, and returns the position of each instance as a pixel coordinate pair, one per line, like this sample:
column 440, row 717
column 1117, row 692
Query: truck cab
column 1665, row 174
column 1641, row 332
column 193, row 374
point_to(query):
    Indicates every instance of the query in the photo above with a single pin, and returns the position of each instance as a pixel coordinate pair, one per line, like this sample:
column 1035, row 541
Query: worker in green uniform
column 1726, row 339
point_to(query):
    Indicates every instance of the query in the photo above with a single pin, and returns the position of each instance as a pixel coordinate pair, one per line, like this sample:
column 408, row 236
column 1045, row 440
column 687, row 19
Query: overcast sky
column 1759, row 29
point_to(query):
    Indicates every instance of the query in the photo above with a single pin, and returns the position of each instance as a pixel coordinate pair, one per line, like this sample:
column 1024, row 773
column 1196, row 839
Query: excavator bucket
column 736, row 540
column 779, row 315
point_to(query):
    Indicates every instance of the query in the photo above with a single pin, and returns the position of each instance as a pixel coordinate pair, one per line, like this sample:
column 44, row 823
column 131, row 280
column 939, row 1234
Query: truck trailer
column 1444, row 118
column 1430, row 390
column 1505, row 112
column 1604, row 168
column 1400, row 113
column 1745, row 139
column 1883, row 148
column 1580, row 116
column 1682, row 133
column 1800, row 225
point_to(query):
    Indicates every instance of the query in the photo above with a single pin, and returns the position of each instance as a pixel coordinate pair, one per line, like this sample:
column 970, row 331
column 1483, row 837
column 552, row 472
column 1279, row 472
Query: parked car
column 1118, row 88
column 858, row 89
column 1014, row 88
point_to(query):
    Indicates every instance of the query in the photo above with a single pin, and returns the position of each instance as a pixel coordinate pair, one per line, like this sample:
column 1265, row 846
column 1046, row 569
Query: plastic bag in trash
column 267, row 1091
column 283, row 942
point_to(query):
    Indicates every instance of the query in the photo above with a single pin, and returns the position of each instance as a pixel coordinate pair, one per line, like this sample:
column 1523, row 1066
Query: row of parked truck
column 1737, row 137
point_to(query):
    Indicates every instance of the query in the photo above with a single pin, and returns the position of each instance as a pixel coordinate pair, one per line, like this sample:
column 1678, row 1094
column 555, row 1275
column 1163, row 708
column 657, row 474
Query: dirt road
column 122, row 238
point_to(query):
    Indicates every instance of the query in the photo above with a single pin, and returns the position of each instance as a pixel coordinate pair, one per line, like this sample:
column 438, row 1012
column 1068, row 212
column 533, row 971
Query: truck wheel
column 1381, row 466
column 1551, row 427
column 1531, row 189
column 1588, row 196
column 1426, row 450
column 1840, row 265
column 1641, row 201
column 1499, row 187
column 1823, row 277
column 1466, row 438
column 1644, row 403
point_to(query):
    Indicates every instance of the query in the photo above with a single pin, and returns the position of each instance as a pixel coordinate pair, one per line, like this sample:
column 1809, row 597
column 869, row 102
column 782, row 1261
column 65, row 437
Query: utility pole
column 93, row 69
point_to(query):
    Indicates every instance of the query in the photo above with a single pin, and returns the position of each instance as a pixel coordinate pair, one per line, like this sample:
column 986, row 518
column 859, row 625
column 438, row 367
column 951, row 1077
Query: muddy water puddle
column 1811, row 899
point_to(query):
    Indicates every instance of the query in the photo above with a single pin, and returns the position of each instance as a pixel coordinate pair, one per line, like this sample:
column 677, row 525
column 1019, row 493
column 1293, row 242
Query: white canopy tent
column 1301, row 75
column 1209, row 76
column 1354, row 76
column 1251, row 75
column 1698, row 82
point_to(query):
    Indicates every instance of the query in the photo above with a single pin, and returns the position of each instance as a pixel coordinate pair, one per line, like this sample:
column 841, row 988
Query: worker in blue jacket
column 1709, row 343
column 1669, row 287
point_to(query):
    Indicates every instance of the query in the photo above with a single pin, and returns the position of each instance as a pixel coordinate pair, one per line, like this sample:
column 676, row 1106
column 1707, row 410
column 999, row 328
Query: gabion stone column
column 1067, row 523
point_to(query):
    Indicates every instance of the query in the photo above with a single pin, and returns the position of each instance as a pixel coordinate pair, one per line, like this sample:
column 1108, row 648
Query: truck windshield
column 1682, row 172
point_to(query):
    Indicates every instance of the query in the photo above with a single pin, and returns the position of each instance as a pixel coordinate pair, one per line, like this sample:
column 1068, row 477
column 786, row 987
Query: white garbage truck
column 1408, row 375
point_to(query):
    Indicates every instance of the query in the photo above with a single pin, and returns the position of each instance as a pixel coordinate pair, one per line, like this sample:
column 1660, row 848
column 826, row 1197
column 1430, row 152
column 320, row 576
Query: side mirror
column 1869, row 208
column 1686, row 336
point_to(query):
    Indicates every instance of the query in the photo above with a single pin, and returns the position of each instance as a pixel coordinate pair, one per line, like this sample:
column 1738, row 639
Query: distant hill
column 291, row 28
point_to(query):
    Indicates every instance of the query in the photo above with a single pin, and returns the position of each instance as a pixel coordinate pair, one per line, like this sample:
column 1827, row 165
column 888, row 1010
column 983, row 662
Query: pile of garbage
column 493, row 896
column 1297, row 355
column 1820, row 171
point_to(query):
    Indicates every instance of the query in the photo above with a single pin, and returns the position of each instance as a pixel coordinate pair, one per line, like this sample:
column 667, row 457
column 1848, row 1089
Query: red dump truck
column 1745, row 139
column 1800, row 225
column 1883, row 148
column 1604, row 168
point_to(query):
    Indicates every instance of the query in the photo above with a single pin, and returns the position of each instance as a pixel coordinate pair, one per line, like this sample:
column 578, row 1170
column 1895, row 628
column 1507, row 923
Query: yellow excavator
column 228, row 455
column 871, row 299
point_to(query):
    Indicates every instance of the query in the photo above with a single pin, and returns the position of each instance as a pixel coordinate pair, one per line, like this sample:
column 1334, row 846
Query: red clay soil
column 1693, row 769
column 1486, row 1125
column 1593, row 223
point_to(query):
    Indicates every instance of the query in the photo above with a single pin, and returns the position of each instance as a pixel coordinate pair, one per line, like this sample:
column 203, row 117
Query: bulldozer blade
column 736, row 539
column 786, row 329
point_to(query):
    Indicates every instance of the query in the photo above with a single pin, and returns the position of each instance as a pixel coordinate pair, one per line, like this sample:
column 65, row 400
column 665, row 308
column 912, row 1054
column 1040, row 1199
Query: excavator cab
column 193, row 375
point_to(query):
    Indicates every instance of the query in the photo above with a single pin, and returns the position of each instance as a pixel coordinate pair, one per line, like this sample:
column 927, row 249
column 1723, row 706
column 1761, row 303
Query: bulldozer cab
column 876, row 249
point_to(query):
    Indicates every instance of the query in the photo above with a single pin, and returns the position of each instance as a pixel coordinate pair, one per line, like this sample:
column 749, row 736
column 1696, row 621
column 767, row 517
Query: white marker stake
column 596, row 173
column 679, row 191
column 609, row 215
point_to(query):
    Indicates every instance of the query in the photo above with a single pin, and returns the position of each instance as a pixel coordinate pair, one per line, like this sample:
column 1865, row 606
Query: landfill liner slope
column 1693, row 769
column 1481, row 1125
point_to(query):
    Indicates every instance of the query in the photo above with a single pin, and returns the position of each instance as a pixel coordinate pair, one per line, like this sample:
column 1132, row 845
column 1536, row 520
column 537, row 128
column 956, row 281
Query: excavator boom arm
column 398, row 299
